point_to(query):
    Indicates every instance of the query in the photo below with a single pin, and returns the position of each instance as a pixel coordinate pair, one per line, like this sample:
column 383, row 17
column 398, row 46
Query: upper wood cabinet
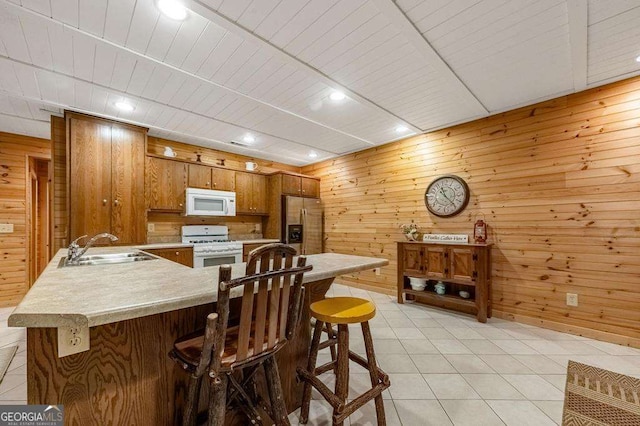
column 166, row 183
column 106, row 178
column 251, row 193
column 211, row 178
column 300, row 186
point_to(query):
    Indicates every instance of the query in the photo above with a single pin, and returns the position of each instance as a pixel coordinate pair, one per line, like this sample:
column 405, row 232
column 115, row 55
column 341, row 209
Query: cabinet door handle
column 177, row 253
column 104, row 202
column 180, row 204
column 116, row 202
column 209, row 184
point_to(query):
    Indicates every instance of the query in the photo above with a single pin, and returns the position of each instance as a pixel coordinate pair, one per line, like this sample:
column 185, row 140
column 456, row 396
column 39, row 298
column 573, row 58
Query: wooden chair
column 267, row 320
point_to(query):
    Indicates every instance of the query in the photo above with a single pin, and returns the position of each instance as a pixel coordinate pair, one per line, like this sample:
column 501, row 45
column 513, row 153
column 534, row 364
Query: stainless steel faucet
column 74, row 252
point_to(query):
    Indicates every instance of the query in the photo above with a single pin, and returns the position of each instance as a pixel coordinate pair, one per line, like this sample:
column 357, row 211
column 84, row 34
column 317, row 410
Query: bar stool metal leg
column 373, row 372
column 311, row 367
column 342, row 371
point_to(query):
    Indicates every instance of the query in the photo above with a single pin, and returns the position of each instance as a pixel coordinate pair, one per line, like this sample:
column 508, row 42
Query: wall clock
column 447, row 196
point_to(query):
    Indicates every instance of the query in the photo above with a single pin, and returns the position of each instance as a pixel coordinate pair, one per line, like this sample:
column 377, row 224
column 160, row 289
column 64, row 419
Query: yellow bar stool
column 342, row 311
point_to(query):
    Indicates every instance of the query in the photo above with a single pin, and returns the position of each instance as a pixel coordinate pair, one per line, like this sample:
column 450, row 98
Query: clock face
column 447, row 196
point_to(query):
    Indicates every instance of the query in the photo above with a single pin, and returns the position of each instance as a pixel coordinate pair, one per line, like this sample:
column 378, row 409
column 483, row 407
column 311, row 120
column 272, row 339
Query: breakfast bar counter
column 132, row 313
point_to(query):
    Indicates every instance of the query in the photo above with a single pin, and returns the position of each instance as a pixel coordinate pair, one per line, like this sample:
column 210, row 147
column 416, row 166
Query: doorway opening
column 38, row 216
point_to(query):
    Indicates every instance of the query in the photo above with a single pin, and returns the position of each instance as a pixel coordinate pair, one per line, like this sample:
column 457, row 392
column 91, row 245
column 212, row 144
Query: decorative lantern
column 480, row 230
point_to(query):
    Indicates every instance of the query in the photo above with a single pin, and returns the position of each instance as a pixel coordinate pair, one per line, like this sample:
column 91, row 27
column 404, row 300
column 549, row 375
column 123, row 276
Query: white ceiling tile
column 27, row 81
column 47, row 83
column 117, row 21
column 12, row 35
column 233, row 8
column 37, row 38
column 99, row 99
column 140, row 77
column 105, row 63
column 600, row 10
column 145, row 17
column 307, row 16
column 84, row 50
column 201, row 50
column 219, row 55
column 65, row 11
column 165, row 31
column 61, row 42
column 283, row 13
column 171, row 87
column 122, row 71
column 41, row 6
column 324, row 24
column 184, row 40
column 91, row 16
column 256, row 12
column 82, row 95
column 156, row 82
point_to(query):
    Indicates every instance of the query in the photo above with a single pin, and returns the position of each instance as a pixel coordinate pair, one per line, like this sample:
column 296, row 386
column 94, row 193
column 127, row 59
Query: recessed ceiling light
column 313, row 154
column 638, row 58
column 401, row 129
column 249, row 139
column 173, row 9
column 124, row 106
column 337, row 96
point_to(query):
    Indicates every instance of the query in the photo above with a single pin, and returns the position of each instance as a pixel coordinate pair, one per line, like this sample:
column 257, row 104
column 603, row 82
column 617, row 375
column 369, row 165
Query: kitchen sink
column 107, row 259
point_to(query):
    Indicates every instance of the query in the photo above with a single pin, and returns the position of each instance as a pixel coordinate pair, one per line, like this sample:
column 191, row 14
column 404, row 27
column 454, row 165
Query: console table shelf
column 460, row 266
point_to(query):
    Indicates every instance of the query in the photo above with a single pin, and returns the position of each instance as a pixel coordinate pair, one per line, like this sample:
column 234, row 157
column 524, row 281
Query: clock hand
column 445, row 196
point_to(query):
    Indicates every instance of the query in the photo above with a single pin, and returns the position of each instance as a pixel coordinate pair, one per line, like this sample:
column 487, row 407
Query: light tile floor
column 445, row 368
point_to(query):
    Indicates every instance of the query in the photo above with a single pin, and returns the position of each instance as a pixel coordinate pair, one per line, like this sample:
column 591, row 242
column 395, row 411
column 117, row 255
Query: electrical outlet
column 72, row 340
column 151, row 227
column 6, row 228
column 377, row 271
column 572, row 299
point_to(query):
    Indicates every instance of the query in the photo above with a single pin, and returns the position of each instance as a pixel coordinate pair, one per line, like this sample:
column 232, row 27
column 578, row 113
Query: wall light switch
column 6, row 228
column 151, row 227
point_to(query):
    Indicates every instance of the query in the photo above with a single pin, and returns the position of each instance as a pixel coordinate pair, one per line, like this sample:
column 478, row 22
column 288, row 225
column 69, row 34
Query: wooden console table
column 462, row 267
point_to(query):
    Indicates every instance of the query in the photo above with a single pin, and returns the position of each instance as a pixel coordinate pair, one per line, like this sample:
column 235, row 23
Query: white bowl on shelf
column 417, row 284
column 464, row 294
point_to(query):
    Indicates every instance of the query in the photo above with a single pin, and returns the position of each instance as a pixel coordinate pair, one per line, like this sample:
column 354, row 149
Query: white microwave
column 208, row 202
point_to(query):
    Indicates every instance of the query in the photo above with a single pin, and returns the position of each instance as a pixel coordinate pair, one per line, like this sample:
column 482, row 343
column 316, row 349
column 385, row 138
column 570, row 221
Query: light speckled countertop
column 102, row 294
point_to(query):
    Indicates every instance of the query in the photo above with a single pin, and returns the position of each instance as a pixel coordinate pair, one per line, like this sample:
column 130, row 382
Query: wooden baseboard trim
column 571, row 329
column 390, row 292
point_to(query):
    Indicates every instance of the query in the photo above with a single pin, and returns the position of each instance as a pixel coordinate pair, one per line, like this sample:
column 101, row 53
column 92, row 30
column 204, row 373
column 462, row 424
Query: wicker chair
column 267, row 321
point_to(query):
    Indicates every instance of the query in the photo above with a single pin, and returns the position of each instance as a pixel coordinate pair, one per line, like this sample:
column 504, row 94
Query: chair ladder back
column 296, row 300
column 279, row 305
column 244, row 333
column 260, row 318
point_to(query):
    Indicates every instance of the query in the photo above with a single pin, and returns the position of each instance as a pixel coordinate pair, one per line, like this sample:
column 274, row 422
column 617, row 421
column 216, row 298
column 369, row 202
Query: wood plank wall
column 60, row 213
column 14, row 152
column 559, row 185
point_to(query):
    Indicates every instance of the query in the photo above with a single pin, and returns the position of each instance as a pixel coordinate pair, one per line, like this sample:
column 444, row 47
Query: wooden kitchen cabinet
column 300, row 186
column 211, row 178
column 251, row 193
column 246, row 249
column 462, row 267
column 166, row 183
column 106, row 178
column 182, row 255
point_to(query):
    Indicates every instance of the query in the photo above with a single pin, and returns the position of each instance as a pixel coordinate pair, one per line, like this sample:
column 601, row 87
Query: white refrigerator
column 302, row 224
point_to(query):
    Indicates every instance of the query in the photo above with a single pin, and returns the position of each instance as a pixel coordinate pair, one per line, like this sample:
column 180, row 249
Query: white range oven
column 211, row 245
